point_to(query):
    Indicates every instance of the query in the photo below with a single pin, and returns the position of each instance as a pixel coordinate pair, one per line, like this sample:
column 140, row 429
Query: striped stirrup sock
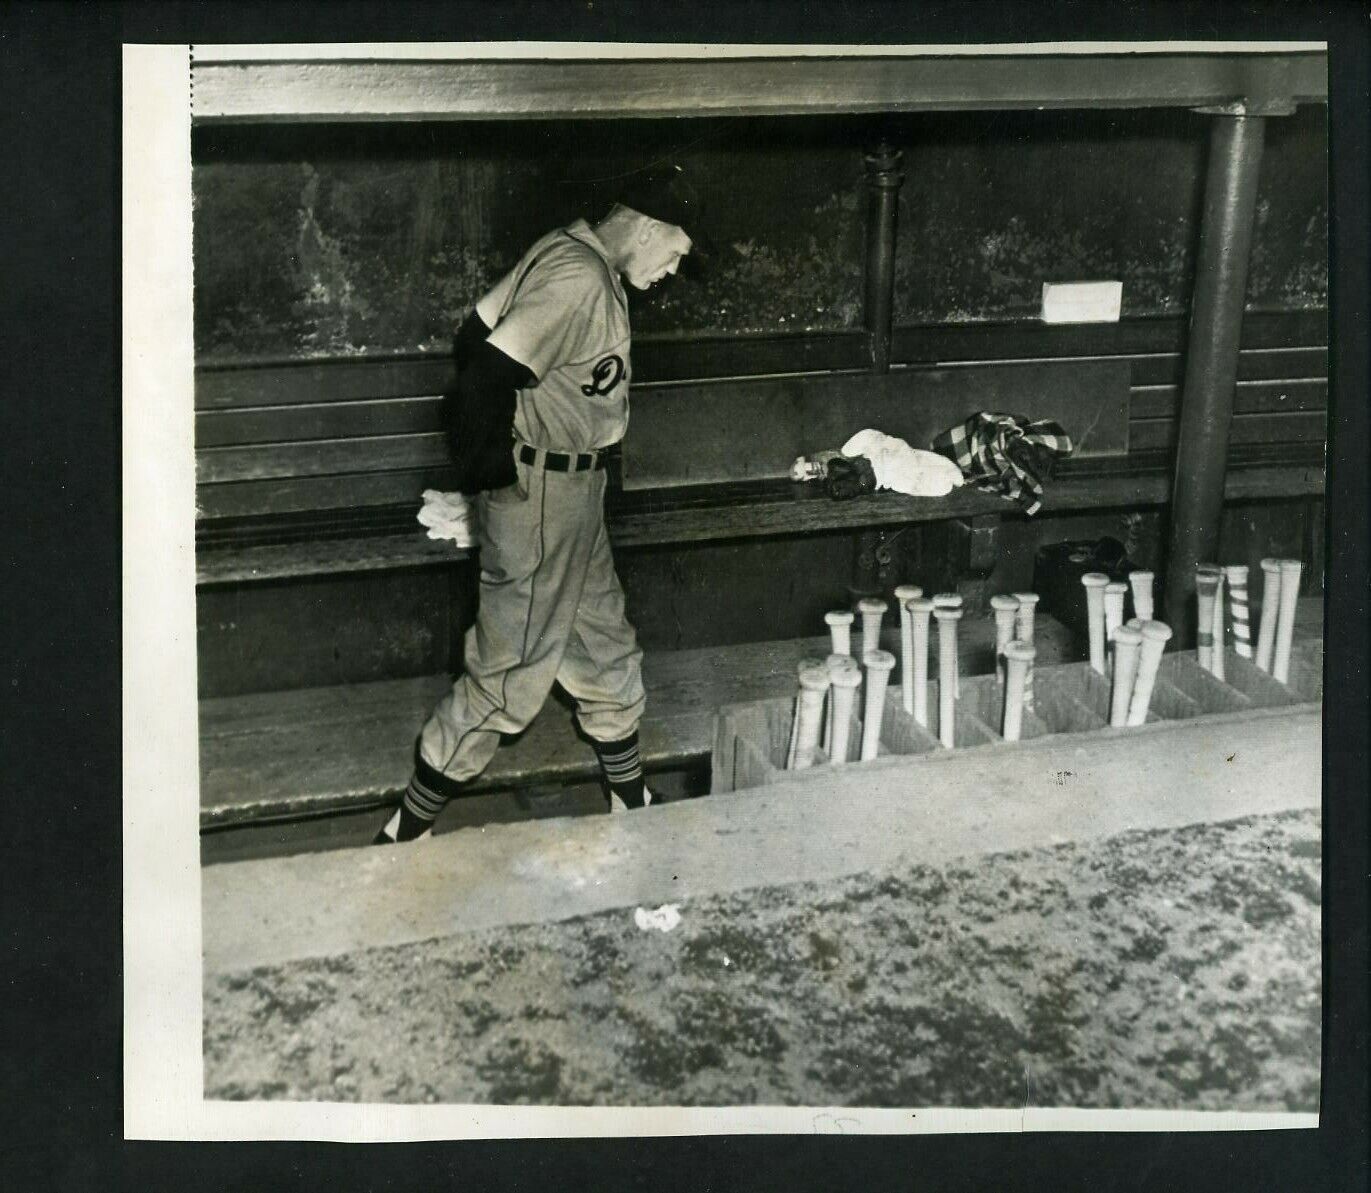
column 623, row 769
column 426, row 795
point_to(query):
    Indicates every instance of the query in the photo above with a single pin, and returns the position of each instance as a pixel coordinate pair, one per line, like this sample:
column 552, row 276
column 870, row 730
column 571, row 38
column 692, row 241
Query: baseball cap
column 665, row 192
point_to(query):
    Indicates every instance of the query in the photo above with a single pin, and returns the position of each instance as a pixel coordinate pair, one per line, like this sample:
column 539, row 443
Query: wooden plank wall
column 1282, row 393
column 291, row 439
column 741, row 430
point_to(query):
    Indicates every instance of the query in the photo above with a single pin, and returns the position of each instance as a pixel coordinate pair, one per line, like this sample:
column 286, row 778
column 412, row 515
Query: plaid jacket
column 1007, row 455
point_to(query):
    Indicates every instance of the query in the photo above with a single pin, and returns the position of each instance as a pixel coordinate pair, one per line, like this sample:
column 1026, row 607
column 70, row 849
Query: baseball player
column 543, row 382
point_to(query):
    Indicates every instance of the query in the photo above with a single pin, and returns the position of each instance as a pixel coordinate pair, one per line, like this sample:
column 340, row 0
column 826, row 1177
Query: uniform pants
column 551, row 610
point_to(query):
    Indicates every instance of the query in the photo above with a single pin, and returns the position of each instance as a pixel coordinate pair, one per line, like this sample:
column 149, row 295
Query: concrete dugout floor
column 971, row 802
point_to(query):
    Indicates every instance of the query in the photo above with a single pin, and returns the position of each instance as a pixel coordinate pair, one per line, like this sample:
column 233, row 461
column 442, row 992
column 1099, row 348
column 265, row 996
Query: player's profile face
column 658, row 255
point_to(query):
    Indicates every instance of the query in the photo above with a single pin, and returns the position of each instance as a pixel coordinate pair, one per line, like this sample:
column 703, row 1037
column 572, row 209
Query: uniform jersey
column 562, row 312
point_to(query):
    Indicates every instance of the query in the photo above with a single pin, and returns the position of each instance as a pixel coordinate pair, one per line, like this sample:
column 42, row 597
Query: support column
column 883, row 178
column 873, row 572
column 1211, row 367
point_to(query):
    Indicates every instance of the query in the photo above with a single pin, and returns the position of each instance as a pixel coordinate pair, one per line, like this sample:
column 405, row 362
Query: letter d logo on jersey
column 606, row 374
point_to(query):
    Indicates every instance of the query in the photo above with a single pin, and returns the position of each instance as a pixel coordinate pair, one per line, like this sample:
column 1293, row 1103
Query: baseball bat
column 1114, row 593
column 805, row 664
column 845, row 685
column 794, row 740
column 834, row 663
column 1094, row 583
column 872, row 610
column 1237, row 607
column 905, row 593
column 813, row 686
column 920, row 609
column 1024, row 631
column 840, row 630
column 1206, row 585
column 1271, row 603
column 1017, row 656
column 1127, row 641
column 879, row 665
column 1220, row 644
column 947, row 672
column 1006, row 610
column 1141, row 583
column 957, row 651
column 1155, row 636
column 1285, row 617
column 951, row 600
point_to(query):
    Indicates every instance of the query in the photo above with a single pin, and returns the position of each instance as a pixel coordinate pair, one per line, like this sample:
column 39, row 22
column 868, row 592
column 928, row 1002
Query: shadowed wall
column 364, row 239
column 367, row 240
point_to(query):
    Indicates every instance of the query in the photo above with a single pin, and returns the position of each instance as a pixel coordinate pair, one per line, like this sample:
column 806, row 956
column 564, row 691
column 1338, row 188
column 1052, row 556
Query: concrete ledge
column 1039, row 793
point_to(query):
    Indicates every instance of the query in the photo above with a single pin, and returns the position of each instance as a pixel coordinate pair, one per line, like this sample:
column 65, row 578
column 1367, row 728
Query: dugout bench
column 311, row 471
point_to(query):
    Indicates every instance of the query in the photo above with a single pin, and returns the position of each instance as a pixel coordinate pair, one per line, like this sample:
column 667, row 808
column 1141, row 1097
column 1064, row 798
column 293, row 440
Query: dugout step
column 928, row 810
column 274, row 758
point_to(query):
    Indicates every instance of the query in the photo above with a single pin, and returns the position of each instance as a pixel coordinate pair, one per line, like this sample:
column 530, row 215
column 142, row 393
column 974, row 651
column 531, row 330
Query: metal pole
column 871, row 574
column 1211, row 367
column 883, row 179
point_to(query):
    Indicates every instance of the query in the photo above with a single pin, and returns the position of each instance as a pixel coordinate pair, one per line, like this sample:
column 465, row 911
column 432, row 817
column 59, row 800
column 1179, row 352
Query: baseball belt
column 562, row 461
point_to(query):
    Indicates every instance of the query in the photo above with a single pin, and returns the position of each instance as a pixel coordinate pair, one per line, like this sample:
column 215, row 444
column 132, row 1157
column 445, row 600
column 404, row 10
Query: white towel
column 903, row 468
column 448, row 516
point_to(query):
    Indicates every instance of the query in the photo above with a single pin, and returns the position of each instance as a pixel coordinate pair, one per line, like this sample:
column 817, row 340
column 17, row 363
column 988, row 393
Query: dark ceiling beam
column 422, row 89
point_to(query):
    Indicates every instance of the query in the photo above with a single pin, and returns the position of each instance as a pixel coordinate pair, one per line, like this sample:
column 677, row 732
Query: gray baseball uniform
column 551, row 607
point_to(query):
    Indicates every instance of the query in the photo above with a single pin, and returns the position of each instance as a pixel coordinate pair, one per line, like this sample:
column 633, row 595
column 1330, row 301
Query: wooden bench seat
column 314, row 468
column 712, row 512
column 282, row 755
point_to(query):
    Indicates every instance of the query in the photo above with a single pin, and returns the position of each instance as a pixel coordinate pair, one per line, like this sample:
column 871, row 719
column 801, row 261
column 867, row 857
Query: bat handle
column 1114, row 594
column 813, row 687
column 872, row 610
column 1237, row 607
column 879, row 665
column 1218, row 663
column 947, row 673
column 903, row 595
column 1285, row 622
column 845, row 686
column 1094, row 583
column 840, row 630
column 1006, row 610
column 1271, row 603
column 1141, row 583
column 920, row 609
column 1155, row 636
column 951, row 600
column 1127, row 642
column 1017, row 656
column 1206, row 590
column 834, row 663
column 1024, row 631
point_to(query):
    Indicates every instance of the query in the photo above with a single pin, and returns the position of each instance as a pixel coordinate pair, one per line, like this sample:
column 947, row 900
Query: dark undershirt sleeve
column 472, row 332
column 480, row 410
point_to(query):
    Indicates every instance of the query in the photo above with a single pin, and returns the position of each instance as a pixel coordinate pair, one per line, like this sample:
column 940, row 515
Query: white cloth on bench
column 903, row 468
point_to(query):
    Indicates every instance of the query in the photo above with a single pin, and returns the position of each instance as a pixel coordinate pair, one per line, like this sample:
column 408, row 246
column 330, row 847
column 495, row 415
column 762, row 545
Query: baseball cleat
column 388, row 834
column 618, row 805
